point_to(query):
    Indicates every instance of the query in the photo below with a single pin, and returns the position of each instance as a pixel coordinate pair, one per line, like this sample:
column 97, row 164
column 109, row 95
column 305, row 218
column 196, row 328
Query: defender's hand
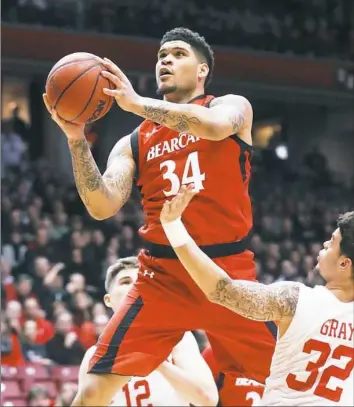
column 173, row 209
column 72, row 131
column 124, row 94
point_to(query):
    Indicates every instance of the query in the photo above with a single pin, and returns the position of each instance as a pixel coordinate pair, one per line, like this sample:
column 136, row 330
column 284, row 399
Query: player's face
column 178, row 68
column 120, row 288
column 330, row 259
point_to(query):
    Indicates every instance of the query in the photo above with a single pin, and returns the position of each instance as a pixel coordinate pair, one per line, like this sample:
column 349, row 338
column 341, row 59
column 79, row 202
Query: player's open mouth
column 164, row 72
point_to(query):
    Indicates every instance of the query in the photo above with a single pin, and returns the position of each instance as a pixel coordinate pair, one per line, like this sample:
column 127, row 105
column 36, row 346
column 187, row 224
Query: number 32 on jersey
column 191, row 174
column 320, row 374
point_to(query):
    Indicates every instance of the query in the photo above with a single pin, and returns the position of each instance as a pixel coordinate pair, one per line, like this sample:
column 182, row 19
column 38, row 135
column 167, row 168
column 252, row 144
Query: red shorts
column 235, row 389
column 165, row 303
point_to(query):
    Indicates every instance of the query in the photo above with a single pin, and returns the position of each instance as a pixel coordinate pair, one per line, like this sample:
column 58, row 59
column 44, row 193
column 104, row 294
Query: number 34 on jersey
column 191, row 174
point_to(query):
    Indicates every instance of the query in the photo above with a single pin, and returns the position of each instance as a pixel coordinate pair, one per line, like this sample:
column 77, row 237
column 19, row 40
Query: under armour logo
column 149, row 134
column 147, row 273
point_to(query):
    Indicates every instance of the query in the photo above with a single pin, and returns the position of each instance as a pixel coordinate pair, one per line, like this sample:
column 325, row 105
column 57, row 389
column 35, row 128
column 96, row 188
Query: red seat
column 65, row 373
column 15, row 403
column 34, row 372
column 10, row 389
column 9, row 372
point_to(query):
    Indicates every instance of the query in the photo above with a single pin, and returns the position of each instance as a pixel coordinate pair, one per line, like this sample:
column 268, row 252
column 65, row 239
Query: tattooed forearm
column 87, row 176
column 257, row 301
column 102, row 195
column 176, row 121
column 224, row 116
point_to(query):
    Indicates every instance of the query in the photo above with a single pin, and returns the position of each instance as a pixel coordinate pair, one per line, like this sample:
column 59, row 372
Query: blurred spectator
column 128, row 244
column 18, row 125
column 33, row 352
column 90, row 331
column 53, row 282
column 76, row 283
column 8, row 281
column 14, row 315
column 41, row 246
column 64, row 348
column 98, row 309
column 60, row 226
column 81, row 305
column 12, row 148
column 11, row 354
column 38, row 396
column 24, row 288
column 32, row 311
column 14, row 251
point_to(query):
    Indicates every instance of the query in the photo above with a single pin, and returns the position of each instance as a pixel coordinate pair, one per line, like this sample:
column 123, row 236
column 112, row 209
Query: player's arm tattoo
column 103, row 194
column 178, row 120
column 257, row 301
column 87, row 175
column 227, row 115
column 238, row 110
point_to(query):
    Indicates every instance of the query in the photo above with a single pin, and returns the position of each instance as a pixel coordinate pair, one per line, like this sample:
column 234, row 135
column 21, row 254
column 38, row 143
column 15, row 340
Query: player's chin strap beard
column 166, row 91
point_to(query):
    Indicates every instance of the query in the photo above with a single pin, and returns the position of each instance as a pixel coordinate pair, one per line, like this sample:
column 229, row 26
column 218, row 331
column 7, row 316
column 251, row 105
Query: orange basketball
column 75, row 88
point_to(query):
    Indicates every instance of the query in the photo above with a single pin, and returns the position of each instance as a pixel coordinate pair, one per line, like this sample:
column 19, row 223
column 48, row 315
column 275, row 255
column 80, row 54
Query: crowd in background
column 304, row 27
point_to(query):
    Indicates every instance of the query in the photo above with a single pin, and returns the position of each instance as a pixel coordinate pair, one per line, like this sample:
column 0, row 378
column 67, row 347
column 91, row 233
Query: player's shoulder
column 230, row 99
column 317, row 291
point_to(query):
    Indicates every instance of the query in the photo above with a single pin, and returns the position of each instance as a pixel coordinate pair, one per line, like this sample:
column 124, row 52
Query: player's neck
column 183, row 97
column 343, row 291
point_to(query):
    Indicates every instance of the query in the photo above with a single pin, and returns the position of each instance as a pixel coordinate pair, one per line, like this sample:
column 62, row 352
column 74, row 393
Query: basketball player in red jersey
column 234, row 389
column 189, row 137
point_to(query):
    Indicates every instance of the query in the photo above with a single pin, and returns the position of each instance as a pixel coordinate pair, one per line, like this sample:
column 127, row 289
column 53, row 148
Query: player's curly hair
column 197, row 42
column 121, row 264
column 346, row 227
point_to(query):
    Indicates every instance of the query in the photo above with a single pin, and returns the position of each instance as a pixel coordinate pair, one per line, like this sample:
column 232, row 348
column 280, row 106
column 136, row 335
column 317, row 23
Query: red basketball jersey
column 220, row 170
column 235, row 390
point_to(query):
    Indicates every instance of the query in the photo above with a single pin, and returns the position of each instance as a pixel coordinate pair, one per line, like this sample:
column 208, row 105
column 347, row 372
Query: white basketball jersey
column 313, row 361
column 152, row 390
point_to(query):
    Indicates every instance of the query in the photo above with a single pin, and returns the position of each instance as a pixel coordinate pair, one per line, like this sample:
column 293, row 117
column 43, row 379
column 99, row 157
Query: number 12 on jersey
column 142, row 393
column 191, row 174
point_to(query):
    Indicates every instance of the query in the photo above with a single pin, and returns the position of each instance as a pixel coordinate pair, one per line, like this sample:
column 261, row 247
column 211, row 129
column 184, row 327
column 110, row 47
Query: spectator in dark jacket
column 64, row 348
column 33, row 352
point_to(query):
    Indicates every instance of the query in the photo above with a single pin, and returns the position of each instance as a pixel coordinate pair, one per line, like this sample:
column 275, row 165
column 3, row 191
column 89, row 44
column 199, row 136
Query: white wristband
column 176, row 233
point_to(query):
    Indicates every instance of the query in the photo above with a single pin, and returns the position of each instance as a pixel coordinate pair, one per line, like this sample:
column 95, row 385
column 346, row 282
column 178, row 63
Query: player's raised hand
column 72, row 131
column 124, row 93
column 174, row 208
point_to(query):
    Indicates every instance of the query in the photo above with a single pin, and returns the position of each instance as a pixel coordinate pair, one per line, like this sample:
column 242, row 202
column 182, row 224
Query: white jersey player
column 314, row 356
column 183, row 379
column 313, row 361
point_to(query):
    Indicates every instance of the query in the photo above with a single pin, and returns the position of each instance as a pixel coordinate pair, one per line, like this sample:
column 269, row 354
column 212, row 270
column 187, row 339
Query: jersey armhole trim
column 301, row 304
column 134, row 143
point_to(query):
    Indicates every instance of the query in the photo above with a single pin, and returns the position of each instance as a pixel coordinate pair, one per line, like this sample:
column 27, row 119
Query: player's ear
column 345, row 263
column 107, row 300
column 203, row 70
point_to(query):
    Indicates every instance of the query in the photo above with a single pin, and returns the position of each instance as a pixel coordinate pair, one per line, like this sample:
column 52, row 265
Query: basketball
column 74, row 88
